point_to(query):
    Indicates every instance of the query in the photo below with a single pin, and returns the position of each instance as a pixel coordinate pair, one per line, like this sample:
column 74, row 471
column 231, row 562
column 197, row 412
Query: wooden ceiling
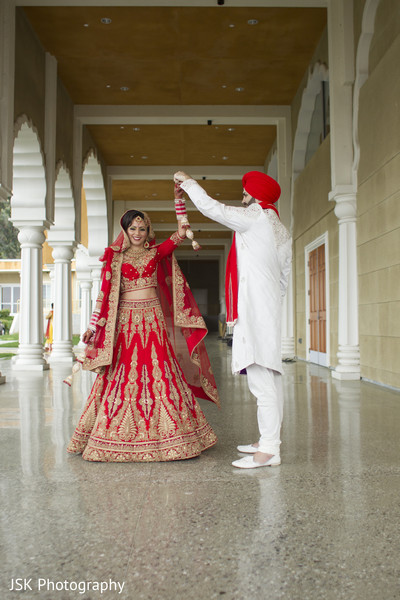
column 162, row 57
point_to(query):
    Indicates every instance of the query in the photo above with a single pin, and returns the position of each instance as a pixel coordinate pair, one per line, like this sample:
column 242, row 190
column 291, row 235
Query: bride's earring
column 146, row 244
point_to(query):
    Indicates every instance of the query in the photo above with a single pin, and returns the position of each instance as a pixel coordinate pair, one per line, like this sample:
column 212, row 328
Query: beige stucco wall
column 313, row 216
column 378, row 203
column 9, row 277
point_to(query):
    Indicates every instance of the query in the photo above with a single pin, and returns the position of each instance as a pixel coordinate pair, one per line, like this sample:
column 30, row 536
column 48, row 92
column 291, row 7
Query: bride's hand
column 181, row 176
column 86, row 336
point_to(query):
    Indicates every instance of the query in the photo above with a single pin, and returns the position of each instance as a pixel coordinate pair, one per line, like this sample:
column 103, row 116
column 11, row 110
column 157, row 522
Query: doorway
column 317, row 301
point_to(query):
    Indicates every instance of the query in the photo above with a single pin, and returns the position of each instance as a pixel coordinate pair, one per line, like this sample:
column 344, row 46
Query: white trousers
column 266, row 385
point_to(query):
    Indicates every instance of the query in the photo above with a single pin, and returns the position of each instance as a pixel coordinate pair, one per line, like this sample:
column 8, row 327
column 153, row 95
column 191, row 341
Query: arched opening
column 61, row 238
column 313, row 118
column 29, row 181
column 96, row 202
column 88, row 268
column 28, row 214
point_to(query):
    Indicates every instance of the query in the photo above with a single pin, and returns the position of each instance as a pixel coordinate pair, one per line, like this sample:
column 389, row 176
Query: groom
column 257, row 274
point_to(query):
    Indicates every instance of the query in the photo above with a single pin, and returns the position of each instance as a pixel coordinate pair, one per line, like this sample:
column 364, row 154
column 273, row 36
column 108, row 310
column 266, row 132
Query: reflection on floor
column 324, row 525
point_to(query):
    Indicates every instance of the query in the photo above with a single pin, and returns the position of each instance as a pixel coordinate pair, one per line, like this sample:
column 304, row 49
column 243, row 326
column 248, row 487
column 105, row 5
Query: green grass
column 6, row 355
column 9, row 337
column 12, row 340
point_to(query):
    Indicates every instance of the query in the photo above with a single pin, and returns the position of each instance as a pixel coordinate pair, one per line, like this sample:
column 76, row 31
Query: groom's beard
column 251, row 201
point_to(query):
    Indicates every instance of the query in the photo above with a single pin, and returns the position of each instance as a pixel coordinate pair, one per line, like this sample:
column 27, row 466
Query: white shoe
column 249, row 449
column 247, row 462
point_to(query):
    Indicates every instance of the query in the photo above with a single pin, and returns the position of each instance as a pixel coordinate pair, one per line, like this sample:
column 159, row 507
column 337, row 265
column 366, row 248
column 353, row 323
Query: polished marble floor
column 323, row 525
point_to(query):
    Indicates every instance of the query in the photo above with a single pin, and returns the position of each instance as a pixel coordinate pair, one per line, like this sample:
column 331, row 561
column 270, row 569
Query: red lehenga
column 151, row 363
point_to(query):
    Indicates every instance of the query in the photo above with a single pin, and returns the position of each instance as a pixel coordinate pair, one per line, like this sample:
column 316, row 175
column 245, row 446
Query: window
column 9, row 298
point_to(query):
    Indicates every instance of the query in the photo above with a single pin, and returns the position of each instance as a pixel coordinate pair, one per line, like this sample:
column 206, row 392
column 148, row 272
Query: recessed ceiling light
column 124, row 88
column 223, row 86
column 144, row 157
column 106, row 20
column 225, row 157
column 122, row 127
column 231, row 25
column 86, row 24
column 252, row 22
column 136, row 128
column 239, row 89
column 154, row 194
column 132, row 156
column 231, row 129
column 108, row 85
column 213, row 156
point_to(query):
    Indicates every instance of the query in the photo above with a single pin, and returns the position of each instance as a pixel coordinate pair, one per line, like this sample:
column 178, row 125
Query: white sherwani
column 264, row 255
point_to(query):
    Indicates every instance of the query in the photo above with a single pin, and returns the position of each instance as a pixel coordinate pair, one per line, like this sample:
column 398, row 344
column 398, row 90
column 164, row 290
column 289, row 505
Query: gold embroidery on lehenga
column 145, row 400
column 132, row 388
column 166, row 426
column 159, row 389
column 114, row 399
column 173, row 392
column 127, row 428
column 186, row 392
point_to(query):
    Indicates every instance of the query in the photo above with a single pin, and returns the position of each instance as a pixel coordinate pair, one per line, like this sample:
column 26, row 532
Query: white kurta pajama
column 264, row 254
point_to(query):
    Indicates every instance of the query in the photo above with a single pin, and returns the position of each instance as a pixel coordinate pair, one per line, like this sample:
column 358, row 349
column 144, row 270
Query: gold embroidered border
column 178, row 448
column 104, row 356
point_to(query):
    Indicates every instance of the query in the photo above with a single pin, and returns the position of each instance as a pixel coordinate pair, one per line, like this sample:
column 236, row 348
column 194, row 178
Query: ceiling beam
column 165, row 173
column 97, row 114
column 157, row 205
column 178, row 3
column 194, row 226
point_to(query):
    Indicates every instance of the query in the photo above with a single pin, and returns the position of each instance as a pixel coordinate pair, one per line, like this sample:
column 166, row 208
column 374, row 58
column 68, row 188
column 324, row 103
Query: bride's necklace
column 137, row 258
column 135, row 252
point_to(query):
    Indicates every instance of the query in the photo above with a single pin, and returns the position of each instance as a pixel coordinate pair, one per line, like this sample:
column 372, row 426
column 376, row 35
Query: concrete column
column 86, row 305
column 96, row 282
column 287, row 349
column 348, row 351
column 341, row 80
column 62, row 321
column 284, row 167
column 30, row 353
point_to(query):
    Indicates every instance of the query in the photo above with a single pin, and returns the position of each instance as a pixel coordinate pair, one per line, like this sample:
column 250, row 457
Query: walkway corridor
column 323, row 526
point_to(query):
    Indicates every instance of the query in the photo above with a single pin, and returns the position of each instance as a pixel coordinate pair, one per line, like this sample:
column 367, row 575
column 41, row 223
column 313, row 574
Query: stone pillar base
column 61, row 353
column 349, row 364
column 20, row 366
column 346, row 375
column 287, row 348
column 61, row 358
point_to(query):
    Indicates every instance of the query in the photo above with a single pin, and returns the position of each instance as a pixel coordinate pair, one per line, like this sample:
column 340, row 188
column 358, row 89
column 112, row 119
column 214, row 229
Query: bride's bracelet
column 93, row 321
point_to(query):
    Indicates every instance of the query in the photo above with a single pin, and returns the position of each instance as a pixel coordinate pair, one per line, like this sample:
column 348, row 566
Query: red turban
column 261, row 187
